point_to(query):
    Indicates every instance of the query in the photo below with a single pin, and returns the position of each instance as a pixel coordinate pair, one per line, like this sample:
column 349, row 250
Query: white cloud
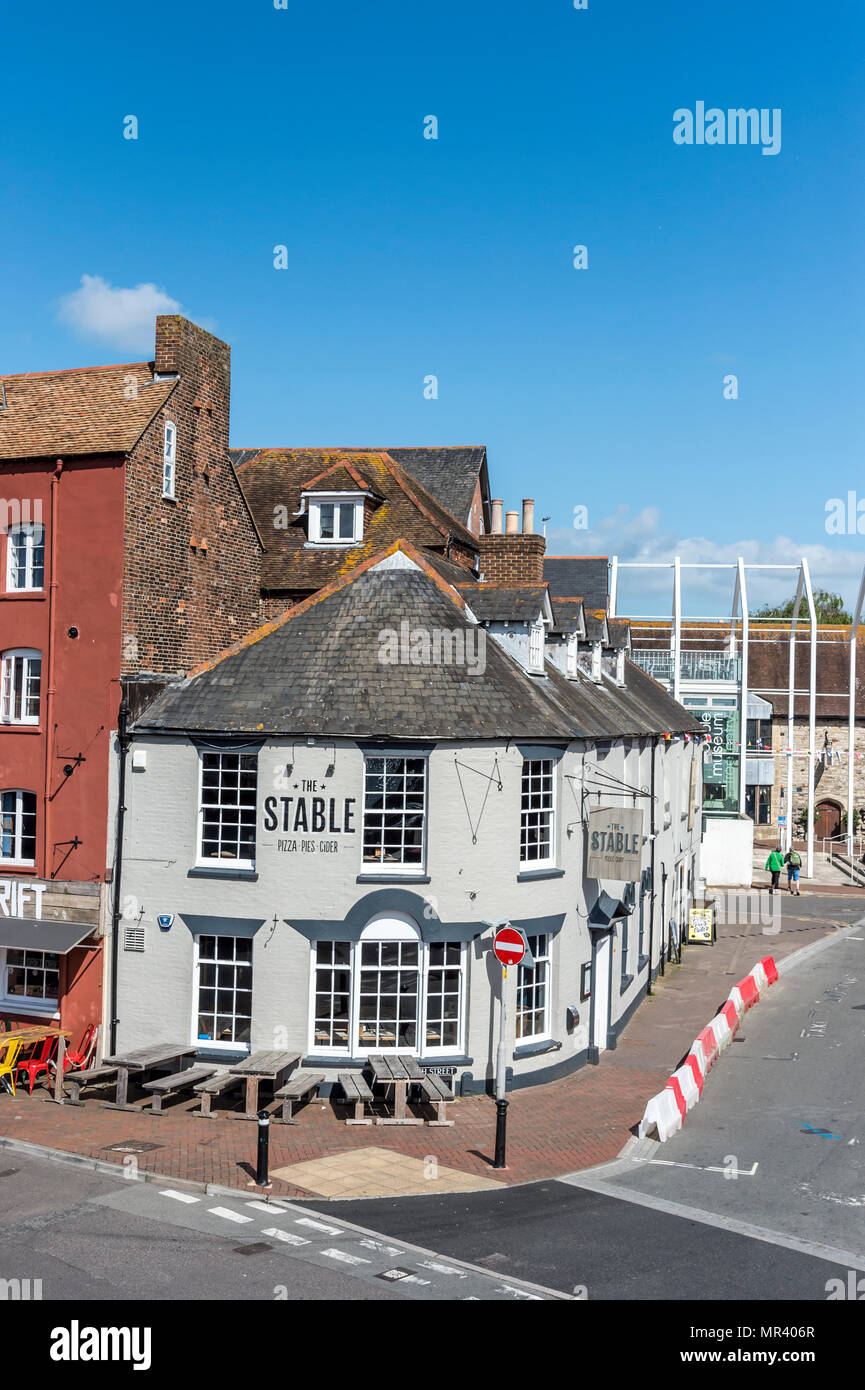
column 638, row 537
column 123, row 317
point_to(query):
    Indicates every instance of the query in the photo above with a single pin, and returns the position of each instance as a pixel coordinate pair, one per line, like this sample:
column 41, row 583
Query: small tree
column 829, row 608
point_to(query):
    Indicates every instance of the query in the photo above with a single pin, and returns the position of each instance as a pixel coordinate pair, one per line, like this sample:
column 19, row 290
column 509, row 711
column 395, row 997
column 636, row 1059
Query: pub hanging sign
column 615, row 843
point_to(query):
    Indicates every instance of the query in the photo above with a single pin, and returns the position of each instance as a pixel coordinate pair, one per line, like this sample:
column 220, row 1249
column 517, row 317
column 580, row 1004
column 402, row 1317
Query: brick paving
column 569, row 1124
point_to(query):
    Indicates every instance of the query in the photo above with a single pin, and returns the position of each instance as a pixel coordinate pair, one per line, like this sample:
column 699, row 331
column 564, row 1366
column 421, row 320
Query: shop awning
column 607, row 909
column 25, row 934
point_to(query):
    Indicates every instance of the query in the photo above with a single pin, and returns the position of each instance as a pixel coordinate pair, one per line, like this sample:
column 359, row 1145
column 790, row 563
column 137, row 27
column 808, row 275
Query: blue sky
column 453, row 257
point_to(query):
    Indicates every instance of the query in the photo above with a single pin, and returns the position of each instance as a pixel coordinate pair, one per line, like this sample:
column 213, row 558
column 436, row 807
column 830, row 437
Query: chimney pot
column 528, row 516
column 496, row 521
column 512, row 523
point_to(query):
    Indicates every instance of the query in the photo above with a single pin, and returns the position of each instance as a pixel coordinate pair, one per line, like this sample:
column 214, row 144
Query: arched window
column 18, row 827
column 389, row 992
column 20, row 682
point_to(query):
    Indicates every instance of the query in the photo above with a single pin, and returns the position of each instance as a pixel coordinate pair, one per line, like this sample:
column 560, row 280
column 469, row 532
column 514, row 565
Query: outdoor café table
column 398, row 1070
column 143, row 1059
column 263, row 1066
column 34, row 1033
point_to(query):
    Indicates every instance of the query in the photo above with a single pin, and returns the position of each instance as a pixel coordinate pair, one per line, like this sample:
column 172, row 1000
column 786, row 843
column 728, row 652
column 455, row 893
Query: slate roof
column 450, row 473
column 498, row 603
column 318, row 671
column 620, row 632
column 595, row 627
column 77, row 412
column 273, row 478
column 587, row 575
column 568, row 614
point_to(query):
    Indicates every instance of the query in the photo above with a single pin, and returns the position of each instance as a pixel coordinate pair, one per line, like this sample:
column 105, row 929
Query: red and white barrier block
column 665, row 1112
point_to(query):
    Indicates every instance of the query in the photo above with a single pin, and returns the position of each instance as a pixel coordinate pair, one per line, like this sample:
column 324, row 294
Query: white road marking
column 344, row 1257
column 227, row 1214
column 380, row 1248
column 288, row 1236
column 671, row 1163
column 517, row 1293
column 319, row 1226
column 265, row 1206
column 853, row 1260
column 179, row 1196
column 443, row 1269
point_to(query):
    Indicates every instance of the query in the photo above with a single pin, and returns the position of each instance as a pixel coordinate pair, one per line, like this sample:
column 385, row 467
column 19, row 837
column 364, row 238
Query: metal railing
column 693, row 665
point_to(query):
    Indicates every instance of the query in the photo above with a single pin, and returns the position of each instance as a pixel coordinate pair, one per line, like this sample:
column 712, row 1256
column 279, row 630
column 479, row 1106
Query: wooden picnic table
column 397, row 1069
column 35, row 1032
column 144, row 1059
column 263, row 1066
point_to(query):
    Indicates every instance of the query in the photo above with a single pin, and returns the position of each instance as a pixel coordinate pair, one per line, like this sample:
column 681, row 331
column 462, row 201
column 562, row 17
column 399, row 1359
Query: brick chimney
column 515, row 558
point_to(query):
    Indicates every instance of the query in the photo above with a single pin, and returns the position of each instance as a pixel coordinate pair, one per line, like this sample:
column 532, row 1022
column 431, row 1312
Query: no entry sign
column 509, row 946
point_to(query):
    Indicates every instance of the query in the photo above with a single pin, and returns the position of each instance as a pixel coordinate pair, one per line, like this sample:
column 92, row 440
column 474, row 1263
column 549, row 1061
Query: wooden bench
column 216, row 1086
column 175, row 1084
column 303, row 1085
column 357, row 1093
column 79, row 1080
column 438, row 1093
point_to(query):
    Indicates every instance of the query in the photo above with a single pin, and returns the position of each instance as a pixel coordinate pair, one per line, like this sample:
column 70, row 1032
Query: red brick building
column 127, row 555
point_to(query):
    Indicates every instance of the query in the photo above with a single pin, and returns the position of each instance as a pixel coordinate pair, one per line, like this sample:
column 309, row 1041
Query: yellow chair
column 8, row 1056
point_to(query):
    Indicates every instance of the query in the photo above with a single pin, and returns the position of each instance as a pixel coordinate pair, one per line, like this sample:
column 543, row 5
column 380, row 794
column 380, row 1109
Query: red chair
column 40, row 1062
column 79, row 1056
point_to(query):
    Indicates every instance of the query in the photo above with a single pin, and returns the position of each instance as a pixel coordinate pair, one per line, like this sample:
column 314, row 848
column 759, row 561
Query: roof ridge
column 70, row 371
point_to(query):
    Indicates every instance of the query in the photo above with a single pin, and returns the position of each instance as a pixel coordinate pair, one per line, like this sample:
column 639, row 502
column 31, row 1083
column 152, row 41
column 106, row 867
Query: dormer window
column 335, row 520
column 536, row 647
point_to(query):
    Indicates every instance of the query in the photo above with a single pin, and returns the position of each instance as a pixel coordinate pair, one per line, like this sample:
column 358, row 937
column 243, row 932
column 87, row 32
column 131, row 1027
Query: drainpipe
column 123, row 741
column 51, row 689
column 653, row 895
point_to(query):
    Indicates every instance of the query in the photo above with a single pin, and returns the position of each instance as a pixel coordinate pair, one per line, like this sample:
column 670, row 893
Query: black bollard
column 501, row 1133
column 261, row 1178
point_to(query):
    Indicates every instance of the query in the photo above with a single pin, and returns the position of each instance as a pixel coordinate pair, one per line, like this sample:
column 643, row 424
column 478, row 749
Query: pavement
column 580, row 1121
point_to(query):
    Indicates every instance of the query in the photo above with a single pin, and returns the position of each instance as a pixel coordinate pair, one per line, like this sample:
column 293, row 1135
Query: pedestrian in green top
column 775, row 864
